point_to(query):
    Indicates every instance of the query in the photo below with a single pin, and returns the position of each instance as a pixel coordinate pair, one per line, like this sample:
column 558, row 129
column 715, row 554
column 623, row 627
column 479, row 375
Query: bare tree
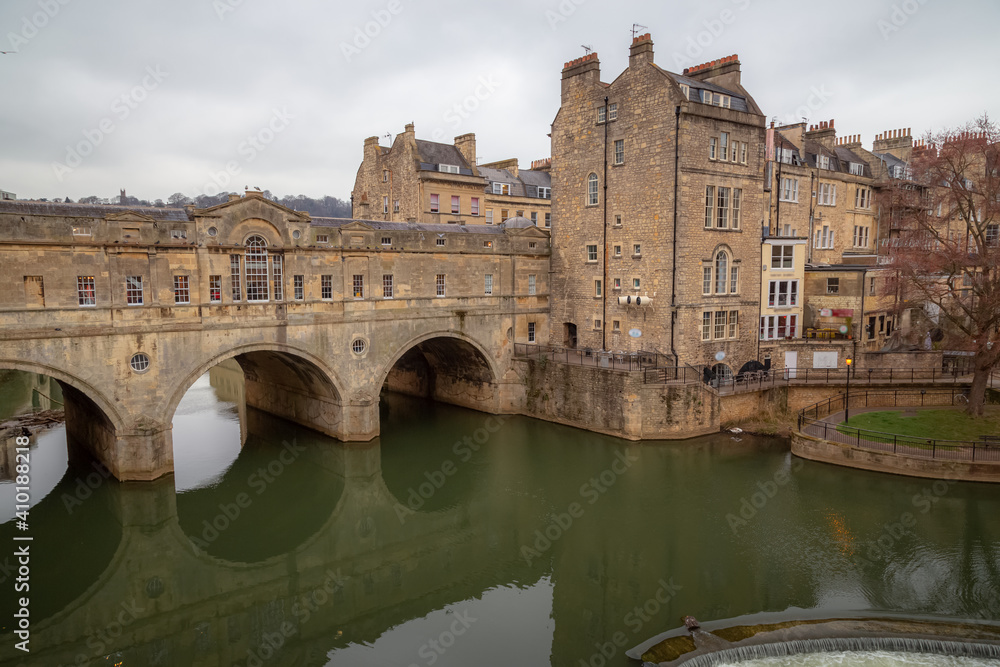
column 947, row 252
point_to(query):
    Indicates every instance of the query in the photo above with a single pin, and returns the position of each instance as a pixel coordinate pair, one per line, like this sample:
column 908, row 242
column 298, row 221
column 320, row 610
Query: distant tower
column 122, row 199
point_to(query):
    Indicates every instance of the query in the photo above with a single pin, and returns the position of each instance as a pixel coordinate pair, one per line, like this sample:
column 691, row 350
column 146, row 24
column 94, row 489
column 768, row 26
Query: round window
column 212, row 231
column 139, row 362
column 358, row 346
column 296, row 234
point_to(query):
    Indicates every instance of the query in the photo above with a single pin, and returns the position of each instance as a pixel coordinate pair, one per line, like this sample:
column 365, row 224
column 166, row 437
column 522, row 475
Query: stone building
column 433, row 183
column 657, row 183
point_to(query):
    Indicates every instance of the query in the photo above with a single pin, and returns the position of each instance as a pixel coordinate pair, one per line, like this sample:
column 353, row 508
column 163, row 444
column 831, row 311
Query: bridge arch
column 83, row 388
column 448, row 366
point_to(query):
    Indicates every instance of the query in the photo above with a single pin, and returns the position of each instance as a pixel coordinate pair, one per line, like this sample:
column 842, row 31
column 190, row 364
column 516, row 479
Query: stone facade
column 618, row 229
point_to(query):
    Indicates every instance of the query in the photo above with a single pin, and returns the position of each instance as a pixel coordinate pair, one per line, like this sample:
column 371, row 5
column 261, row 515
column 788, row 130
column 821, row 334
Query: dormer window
column 544, row 192
column 715, row 99
column 823, row 161
column 857, row 169
column 686, row 91
column 501, row 188
column 448, row 168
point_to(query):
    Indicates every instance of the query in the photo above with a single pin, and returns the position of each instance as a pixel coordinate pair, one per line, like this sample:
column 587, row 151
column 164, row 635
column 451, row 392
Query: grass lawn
column 936, row 424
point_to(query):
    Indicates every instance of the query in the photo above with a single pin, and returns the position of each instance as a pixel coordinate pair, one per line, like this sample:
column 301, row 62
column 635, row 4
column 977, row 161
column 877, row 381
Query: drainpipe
column 812, row 209
column 604, row 274
column 673, row 280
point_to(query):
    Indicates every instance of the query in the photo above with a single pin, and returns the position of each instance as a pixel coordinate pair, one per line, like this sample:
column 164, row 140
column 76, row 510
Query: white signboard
column 824, row 360
column 634, row 333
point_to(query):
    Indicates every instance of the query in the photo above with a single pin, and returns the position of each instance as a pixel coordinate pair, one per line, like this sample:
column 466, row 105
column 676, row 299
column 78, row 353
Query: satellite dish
column 720, row 355
column 634, row 333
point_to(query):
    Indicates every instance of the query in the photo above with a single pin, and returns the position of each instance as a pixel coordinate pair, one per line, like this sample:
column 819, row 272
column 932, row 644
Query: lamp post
column 847, row 396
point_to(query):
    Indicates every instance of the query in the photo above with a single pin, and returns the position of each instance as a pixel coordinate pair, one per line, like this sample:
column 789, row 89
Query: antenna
column 588, row 49
column 636, row 28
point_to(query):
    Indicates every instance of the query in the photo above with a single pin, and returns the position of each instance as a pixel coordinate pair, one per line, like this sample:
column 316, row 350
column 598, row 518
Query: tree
column 178, row 199
column 947, row 253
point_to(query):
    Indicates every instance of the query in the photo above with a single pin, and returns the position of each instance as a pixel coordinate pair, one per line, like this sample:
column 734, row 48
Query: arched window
column 255, row 263
column 592, row 190
column 721, row 272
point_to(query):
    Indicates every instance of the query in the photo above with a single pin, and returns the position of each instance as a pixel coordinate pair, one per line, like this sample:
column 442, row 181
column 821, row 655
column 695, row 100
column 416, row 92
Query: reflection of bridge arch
column 448, row 366
column 83, row 389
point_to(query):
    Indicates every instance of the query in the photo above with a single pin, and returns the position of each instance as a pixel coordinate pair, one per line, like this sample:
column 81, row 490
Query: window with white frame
column 435, row 203
column 215, row 289
column 358, row 286
column 544, row 192
column 298, row 287
column 602, row 114
column 734, row 279
column 598, row 288
column 721, row 271
column 548, row 219
column 827, row 194
column 386, row 241
column 706, row 325
column 439, row 284
column 234, row 276
column 448, row 168
column 790, row 189
column 782, row 256
column 824, row 238
column 133, row 290
column 489, row 216
column 857, row 169
column 743, row 152
column 823, row 161
column 734, row 323
column 616, row 283
column 686, row 91
column 636, row 249
column 488, row 289
column 617, row 252
column 86, row 291
column 833, row 285
column 723, row 146
column 619, row 151
column 592, row 197
column 387, row 286
column 737, row 208
column 322, row 238
column 774, row 327
column 277, row 278
column 734, row 156
column 636, row 283
column 613, row 111
column 591, row 253
column 706, row 280
column 534, row 218
column 713, row 148
column 720, row 324
column 860, row 236
column 783, row 293
column 385, row 204
column 474, row 206
column 326, row 288
column 255, row 265
column 385, row 175
column 455, row 204
column 863, row 198
column 531, row 283
column 709, row 206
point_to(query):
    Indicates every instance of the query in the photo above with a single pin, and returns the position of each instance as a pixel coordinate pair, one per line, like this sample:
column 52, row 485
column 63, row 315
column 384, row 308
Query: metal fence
column 812, row 422
column 617, row 361
column 865, row 376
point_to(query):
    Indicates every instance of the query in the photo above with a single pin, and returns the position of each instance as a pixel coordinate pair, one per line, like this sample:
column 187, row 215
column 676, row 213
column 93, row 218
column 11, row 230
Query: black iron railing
column 617, row 361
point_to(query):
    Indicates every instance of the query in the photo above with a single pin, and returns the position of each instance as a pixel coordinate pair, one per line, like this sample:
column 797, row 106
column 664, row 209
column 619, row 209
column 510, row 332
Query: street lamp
column 847, row 396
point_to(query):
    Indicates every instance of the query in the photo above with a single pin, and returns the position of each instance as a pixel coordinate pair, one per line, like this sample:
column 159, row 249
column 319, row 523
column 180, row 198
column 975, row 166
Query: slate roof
column 738, row 101
column 524, row 185
column 433, row 153
column 408, row 226
column 30, row 207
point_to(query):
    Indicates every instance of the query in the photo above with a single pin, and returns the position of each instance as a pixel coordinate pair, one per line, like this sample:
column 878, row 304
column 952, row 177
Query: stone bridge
column 127, row 308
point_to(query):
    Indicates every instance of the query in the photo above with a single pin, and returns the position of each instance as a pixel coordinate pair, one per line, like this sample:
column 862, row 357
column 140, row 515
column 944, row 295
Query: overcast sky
column 206, row 95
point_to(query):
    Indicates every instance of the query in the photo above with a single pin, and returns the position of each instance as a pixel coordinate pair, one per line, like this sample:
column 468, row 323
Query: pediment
column 529, row 232
column 252, row 201
column 129, row 216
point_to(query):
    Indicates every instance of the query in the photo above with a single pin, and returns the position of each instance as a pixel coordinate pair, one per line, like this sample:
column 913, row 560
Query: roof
column 737, row 103
column 30, row 207
column 517, row 222
column 408, row 226
column 526, row 184
column 431, row 152
column 537, row 178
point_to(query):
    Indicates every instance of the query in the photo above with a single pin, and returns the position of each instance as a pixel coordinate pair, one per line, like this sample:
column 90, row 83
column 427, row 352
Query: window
column 534, row 218
column 617, row 284
column 439, row 284
column 773, row 327
column 358, row 346
column 706, row 326
column 358, row 286
column 592, row 190
column 992, row 235
column 597, row 324
column 326, row 288
column 783, row 155
column 532, row 245
column 448, row 168
column 863, row 199
column 531, row 332
column 860, row 236
column 616, row 326
column 86, row 292
column 489, row 216
column 737, row 201
column 387, row 291
column 385, row 204
column 721, row 272
column 501, row 188
column 602, row 114
column 636, row 284
column 277, row 278
column 215, row 289
column 823, row 161
column 857, row 168
column 545, row 192
column 833, row 285
column 619, row 151
column 82, row 231
column 613, row 111
column 395, row 206
column 385, row 175
column 871, row 327
column 734, row 322
column 743, row 153
column 439, row 242
column 387, row 240
column 488, row 290
column 178, row 234
column 722, row 208
column 133, row 290
column 881, row 323
column 709, row 206
column 735, row 153
column 591, row 253
column 255, row 264
column 474, row 206
column 434, row 203
column 597, row 288
column 636, row 249
column 487, row 244
column 720, row 324
column 618, row 251
column 503, row 215
column 618, row 221
column 782, row 256
column 871, row 286
column 322, row 238
column 783, row 293
column 823, row 238
column 531, row 284
column 827, row 194
column 686, row 91
column 713, row 147
column 706, row 280
column 789, row 189
column 298, row 288
column 139, row 362
column 548, row 219
column 234, row 276
column 734, row 280
column 455, row 204
column 724, row 146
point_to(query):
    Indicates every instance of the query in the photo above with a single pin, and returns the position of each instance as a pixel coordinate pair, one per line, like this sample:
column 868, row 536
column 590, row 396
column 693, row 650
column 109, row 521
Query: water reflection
column 276, row 545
